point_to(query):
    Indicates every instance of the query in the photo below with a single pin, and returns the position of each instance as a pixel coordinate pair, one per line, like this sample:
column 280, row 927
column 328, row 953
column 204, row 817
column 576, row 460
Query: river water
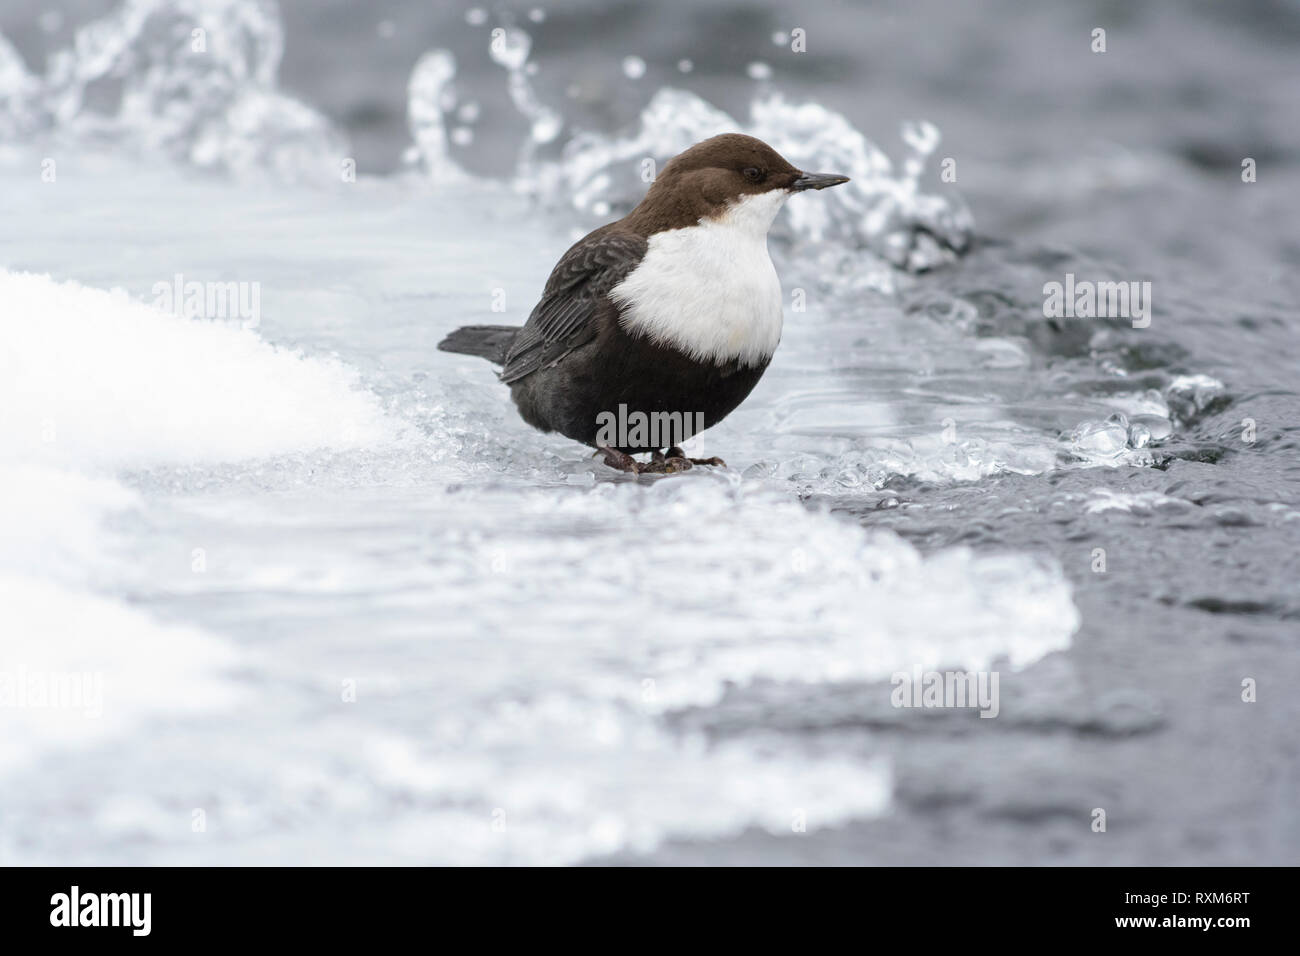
column 336, row 603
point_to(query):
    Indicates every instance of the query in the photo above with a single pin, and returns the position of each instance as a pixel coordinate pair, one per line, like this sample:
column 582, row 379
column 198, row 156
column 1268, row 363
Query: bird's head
column 730, row 176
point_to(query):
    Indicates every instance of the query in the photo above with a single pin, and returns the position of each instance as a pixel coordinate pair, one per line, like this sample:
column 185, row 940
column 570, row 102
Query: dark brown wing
column 565, row 318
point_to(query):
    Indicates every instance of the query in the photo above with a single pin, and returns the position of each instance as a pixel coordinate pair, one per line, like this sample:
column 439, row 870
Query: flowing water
column 341, row 605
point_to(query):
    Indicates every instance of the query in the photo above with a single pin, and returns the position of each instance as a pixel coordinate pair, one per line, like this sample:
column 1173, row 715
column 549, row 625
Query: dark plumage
column 588, row 349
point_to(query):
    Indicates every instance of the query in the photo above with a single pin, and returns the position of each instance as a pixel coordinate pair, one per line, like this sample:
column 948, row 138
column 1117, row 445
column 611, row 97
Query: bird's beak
column 817, row 181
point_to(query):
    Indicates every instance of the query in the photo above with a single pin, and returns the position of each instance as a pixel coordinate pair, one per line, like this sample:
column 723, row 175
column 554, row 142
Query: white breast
column 710, row 290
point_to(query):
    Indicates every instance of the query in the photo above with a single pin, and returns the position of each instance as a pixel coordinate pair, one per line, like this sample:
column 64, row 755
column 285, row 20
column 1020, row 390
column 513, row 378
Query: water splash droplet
column 429, row 95
column 510, row 48
column 1100, row 442
column 921, row 136
column 633, row 67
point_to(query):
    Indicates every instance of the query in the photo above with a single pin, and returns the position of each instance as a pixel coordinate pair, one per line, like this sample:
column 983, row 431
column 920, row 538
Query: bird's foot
column 659, row 464
column 676, row 452
column 620, row 461
column 670, row 464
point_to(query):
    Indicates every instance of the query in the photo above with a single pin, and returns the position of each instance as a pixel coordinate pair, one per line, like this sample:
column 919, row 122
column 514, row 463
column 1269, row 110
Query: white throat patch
column 710, row 290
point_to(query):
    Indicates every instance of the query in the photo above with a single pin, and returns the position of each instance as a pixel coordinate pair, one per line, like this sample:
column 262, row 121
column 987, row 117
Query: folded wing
column 575, row 297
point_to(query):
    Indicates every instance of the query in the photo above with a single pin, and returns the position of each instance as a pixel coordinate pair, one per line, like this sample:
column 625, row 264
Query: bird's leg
column 676, row 452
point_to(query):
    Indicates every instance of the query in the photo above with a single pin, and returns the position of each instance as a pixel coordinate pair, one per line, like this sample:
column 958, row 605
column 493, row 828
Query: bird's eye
column 752, row 173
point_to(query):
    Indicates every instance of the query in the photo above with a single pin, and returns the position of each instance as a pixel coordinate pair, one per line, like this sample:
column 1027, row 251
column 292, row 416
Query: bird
column 667, row 317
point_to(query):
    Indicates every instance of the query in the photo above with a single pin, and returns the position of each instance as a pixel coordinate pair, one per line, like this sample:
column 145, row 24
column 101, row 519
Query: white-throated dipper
column 668, row 316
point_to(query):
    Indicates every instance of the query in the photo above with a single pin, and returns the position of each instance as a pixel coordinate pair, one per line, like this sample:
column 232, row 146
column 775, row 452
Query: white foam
column 92, row 381
column 521, row 662
column 94, row 378
column 52, row 521
column 825, row 600
column 1138, row 502
column 76, row 669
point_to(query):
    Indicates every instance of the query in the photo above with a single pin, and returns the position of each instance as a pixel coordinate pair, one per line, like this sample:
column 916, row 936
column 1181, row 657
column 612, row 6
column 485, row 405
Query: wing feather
column 575, row 293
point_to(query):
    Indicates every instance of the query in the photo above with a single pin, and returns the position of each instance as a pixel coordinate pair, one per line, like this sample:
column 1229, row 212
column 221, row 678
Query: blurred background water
column 353, row 610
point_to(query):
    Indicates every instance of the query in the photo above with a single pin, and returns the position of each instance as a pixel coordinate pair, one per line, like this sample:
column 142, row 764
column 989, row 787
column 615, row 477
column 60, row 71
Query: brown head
column 715, row 175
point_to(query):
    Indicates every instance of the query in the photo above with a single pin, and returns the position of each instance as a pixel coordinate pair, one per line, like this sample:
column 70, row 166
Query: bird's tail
column 488, row 341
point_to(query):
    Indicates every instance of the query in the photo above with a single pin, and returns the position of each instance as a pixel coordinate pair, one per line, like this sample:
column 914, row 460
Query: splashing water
column 189, row 79
column 510, row 49
column 19, row 91
column 125, row 76
column 600, row 175
column 431, row 96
